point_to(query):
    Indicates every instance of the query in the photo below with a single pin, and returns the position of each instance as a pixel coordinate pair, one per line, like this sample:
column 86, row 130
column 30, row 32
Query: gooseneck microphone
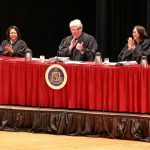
column 122, row 52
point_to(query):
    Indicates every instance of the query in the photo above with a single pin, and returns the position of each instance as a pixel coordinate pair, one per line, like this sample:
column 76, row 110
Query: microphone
column 56, row 57
column 122, row 52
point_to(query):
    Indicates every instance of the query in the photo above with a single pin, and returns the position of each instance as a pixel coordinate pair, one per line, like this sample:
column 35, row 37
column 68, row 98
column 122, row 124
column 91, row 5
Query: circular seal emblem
column 56, row 76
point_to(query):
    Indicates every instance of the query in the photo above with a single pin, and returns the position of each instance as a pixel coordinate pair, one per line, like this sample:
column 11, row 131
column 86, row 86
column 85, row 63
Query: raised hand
column 73, row 43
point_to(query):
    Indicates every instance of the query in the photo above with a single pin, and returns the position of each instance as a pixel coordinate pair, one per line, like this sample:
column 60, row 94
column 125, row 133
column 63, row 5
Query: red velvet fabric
column 89, row 86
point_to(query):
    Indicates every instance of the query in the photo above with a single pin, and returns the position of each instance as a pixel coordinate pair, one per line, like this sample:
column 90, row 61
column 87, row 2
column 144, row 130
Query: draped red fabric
column 89, row 86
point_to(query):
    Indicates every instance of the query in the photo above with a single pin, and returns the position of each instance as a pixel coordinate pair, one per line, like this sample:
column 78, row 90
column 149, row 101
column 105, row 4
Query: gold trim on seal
column 58, row 77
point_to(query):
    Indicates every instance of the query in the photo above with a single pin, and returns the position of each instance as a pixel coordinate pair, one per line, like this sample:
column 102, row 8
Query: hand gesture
column 79, row 46
column 8, row 48
column 73, row 43
column 131, row 44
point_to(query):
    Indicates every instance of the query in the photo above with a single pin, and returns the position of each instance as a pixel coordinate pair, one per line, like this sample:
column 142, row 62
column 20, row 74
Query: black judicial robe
column 89, row 44
column 142, row 48
column 18, row 46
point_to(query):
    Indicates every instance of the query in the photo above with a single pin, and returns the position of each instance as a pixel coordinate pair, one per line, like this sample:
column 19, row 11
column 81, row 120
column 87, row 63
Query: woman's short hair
column 15, row 28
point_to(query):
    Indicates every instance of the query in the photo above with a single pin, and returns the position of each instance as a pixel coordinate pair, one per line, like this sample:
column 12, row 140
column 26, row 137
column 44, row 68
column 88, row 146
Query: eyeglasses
column 74, row 30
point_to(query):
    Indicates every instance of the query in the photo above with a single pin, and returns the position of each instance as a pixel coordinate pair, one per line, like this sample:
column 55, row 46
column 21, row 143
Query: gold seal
column 56, row 76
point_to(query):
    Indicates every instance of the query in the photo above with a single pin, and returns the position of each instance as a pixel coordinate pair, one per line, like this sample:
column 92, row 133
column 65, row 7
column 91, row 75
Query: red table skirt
column 89, row 86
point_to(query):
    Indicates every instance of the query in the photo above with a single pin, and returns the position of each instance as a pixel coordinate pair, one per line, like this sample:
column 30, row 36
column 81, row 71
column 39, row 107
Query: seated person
column 136, row 47
column 79, row 45
column 13, row 46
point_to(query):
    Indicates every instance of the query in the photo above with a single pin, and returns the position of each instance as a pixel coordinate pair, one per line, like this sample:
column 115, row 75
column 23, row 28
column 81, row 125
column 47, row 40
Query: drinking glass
column 42, row 58
column 106, row 61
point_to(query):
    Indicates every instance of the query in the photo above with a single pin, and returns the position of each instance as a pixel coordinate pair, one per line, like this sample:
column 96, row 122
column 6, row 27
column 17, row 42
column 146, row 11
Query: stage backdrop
column 44, row 23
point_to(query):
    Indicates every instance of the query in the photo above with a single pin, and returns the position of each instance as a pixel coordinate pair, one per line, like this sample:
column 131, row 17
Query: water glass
column 42, row 58
column 106, row 61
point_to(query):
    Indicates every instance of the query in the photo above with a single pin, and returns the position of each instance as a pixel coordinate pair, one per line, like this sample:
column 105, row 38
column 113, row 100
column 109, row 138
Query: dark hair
column 142, row 32
column 15, row 28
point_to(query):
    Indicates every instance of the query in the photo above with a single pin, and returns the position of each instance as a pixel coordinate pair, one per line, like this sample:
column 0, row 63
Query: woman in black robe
column 136, row 47
column 13, row 46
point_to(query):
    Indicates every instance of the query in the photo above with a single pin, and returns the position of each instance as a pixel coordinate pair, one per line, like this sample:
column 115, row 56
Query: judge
column 13, row 46
column 137, row 46
column 79, row 45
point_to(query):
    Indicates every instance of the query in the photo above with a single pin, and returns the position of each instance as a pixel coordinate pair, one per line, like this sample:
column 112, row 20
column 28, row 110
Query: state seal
column 56, row 76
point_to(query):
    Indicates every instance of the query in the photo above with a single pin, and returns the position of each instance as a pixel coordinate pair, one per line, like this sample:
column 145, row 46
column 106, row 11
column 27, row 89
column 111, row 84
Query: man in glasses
column 79, row 45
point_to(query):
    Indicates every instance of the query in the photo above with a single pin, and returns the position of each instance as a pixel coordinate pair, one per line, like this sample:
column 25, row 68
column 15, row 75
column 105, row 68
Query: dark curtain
column 43, row 24
column 148, row 16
